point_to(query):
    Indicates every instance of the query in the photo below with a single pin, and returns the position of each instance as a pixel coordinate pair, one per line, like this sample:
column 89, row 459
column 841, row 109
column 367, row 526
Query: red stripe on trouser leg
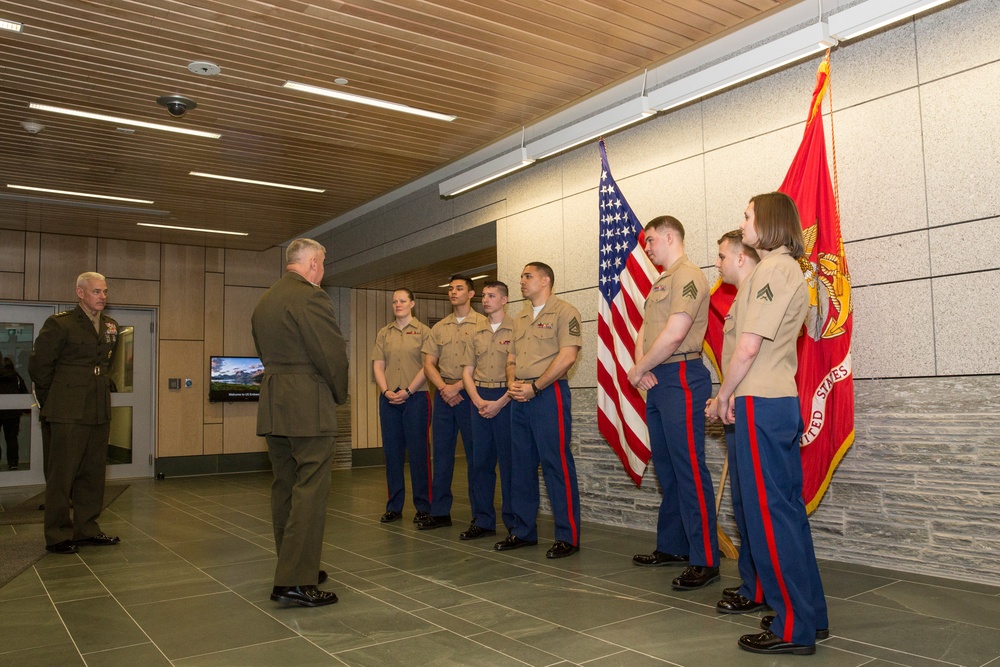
column 765, row 514
column 695, row 468
column 430, row 454
column 565, row 466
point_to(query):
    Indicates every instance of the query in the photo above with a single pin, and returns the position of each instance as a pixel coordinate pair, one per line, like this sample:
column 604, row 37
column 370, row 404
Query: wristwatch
column 534, row 388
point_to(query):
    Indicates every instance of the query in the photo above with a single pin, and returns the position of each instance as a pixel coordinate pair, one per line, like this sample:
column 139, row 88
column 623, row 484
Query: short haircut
column 464, row 278
column 300, row 249
column 776, row 219
column 499, row 286
column 403, row 289
column 545, row 270
column 735, row 239
column 84, row 278
column 664, row 223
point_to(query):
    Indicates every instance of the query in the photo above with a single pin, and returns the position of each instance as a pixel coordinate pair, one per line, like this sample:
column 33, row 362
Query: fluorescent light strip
column 486, row 172
column 371, row 101
column 485, row 275
column 867, row 17
column 79, row 194
column 123, row 121
column 12, row 26
column 192, row 229
column 252, row 182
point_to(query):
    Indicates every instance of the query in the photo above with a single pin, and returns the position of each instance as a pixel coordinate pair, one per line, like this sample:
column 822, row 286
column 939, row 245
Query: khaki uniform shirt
column 772, row 303
column 400, row 350
column 448, row 340
column 537, row 342
column 681, row 288
column 487, row 351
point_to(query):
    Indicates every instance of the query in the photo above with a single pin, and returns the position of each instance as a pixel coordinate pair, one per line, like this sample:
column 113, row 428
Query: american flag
column 626, row 276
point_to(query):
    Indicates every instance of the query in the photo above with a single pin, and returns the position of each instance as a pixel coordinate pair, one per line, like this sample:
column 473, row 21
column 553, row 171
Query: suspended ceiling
column 496, row 64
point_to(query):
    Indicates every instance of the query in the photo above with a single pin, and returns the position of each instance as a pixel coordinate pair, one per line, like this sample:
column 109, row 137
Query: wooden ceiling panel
column 497, row 64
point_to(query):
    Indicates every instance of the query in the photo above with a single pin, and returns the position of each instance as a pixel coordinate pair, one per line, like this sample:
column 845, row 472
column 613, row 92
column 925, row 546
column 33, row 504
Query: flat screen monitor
column 235, row 379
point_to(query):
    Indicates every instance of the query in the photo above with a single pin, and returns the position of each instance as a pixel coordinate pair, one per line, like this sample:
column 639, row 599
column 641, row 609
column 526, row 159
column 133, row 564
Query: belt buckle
column 97, row 370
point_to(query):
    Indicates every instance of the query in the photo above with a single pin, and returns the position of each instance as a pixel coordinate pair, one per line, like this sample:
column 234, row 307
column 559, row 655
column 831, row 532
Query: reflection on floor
column 190, row 583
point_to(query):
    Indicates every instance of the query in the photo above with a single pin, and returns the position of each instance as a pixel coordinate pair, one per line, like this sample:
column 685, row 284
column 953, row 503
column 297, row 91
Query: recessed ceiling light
column 253, row 182
column 79, row 194
column 341, row 81
column 13, row 26
column 123, row 121
column 192, row 229
column 371, row 101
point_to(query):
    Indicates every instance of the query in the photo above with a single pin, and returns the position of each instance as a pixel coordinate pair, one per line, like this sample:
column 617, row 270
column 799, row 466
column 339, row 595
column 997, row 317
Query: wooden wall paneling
column 128, row 259
column 180, row 429
column 182, row 292
column 62, row 259
column 124, row 292
column 259, row 269
column 213, row 437
column 11, row 285
column 215, row 260
column 239, row 304
column 214, row 308
column 31, row 256
column 11, row 251
column 239, row 433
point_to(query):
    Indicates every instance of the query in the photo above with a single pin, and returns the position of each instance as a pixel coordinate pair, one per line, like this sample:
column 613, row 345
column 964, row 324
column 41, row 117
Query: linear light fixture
column 13, row 26
column 253, row 182
column 192, row 229
column 79, row 194
column 592, row 128
column 370, row 101
column 123, row 121
column 486, row 172
column 785, row 50
column 875, row 14
column 52, row 201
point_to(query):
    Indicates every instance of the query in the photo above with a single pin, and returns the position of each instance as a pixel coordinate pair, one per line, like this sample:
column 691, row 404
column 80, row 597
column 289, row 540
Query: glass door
column 130, row 450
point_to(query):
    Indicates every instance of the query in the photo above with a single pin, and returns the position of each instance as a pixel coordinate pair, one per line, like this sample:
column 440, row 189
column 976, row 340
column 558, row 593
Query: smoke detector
column 204, row 68
column 31, row 127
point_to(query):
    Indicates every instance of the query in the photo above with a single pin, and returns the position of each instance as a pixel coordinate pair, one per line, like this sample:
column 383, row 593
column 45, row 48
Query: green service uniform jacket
column 305, row 360
column 69, row 366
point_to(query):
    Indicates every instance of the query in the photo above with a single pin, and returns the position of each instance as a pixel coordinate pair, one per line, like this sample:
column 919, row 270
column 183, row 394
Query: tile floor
column 189, row 586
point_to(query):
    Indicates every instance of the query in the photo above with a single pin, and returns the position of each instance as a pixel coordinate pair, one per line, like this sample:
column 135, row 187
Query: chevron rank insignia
column 765, row 293
column 574, row 327
column 690, row 291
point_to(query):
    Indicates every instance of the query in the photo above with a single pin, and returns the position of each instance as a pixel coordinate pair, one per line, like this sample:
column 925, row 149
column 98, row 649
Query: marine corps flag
column 825, row 378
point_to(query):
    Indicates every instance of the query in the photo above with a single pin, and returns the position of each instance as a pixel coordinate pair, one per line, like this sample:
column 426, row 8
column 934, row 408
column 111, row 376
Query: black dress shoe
column 730, row 592
column 322, row 577
column 513, row 542
column 306, row 596
column 389, row 517
column 821, row 633
column 421, row 516
column 694, row 577
column 658, row 558
column 768, row 642
column 64, row 547
column 434, row 522
column 99, row 540
column 738, row 605
column 475, row 532
column 561, row 549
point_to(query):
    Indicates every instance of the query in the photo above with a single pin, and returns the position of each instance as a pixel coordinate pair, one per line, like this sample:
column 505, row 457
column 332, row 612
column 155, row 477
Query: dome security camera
column 176, row 105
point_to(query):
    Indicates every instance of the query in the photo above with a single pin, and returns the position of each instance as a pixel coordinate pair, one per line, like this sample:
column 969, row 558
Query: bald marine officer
column 305, row 377
column 547, row 340
column 69, row 365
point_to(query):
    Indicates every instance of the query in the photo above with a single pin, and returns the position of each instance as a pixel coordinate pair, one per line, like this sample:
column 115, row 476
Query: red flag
column 825, row 378
column 626, row 276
